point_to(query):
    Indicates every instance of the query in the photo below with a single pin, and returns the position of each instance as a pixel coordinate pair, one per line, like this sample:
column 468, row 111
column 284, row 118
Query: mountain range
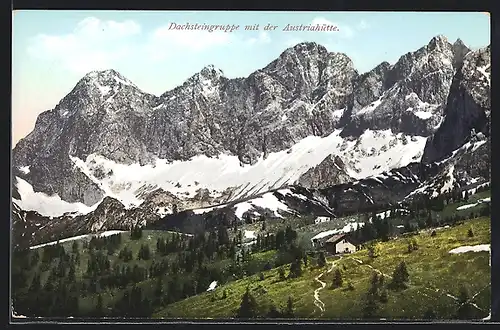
column 307, row 134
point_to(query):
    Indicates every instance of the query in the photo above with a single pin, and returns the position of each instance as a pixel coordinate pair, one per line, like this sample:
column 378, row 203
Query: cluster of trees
column 282, row 239
column 377, row 292
column 417, row 214
column 249, row 308
column 136, row 233
column 57, row 295
column 182, row 266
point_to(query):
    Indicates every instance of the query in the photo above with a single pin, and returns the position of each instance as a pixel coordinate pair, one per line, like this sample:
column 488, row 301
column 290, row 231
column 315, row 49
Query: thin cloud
column 344, row 31
column 164, row 40
column 262, row 38
column 94, row 44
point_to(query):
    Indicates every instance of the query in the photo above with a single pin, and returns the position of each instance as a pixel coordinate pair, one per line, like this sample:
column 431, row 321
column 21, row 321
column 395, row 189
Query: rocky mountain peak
column 307, row 48
column 304, row 52
column 459, row 52
column 439, row 42
column 458, row 42
column 211, row 72
column 105, row 78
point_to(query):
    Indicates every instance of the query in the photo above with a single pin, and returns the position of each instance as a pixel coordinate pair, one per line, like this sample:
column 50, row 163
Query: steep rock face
column 330, row 172
column 293, row 97
column 102, row 109
column 408, row 96
column 468, row 106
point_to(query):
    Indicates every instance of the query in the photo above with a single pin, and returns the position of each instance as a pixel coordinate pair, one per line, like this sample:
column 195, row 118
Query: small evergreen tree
column 75, row 247
column 400, row 277
column 337, row 279
column 321, row 260
column 248, row 306
column 384, row 297
column 374, row 284
column 429, row 314
column 373, row 251
column 99, row 307
column 159, row 300
column 289, row 308
column 295, row 269
column 281, row 273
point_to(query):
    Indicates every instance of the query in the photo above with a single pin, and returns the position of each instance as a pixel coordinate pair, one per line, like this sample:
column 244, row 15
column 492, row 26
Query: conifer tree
column 321, row 259
column 289, row 308
column 337, row 279
column 281, row 272
column 248, row 306
column 99, row 308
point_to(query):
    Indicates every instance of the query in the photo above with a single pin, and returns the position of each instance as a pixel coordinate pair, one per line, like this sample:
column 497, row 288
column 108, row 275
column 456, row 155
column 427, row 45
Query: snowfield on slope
column 75, row 238
column 266, row 201
column 51, row 206
column 346, row 229
column 373, row 153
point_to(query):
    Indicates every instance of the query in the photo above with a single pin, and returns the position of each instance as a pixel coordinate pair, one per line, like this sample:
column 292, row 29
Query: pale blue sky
column 53, row 49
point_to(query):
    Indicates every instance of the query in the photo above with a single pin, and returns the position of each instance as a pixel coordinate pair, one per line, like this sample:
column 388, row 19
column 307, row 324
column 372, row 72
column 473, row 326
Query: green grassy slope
column 434, row 282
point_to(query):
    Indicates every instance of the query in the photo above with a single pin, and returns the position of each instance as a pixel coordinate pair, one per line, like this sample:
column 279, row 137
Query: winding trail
column 317, row 302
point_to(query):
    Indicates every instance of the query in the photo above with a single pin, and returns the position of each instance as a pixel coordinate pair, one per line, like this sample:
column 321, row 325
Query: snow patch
column 74, row 238
column 479, row 201
column 250, row 234
column 47, row 205
column 212, row 286
column 465, row 207
column 346, row 229
column 24, row 169
column 423, row 114
column 267, row 201
column 369, row 108
column 475, row 248
column 321, row 220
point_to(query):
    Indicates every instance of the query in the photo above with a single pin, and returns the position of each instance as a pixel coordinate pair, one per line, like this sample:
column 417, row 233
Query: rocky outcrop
column 330, row 172
column 468, row 106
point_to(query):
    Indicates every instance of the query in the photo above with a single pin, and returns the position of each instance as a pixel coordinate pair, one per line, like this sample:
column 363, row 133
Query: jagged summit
column 459, row 42
column 305, row 48
column 211, row 72
column 439, row 42
column 106, row 77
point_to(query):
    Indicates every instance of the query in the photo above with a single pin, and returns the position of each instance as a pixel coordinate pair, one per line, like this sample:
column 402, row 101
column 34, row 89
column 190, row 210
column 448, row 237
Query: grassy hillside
column 435, row 279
